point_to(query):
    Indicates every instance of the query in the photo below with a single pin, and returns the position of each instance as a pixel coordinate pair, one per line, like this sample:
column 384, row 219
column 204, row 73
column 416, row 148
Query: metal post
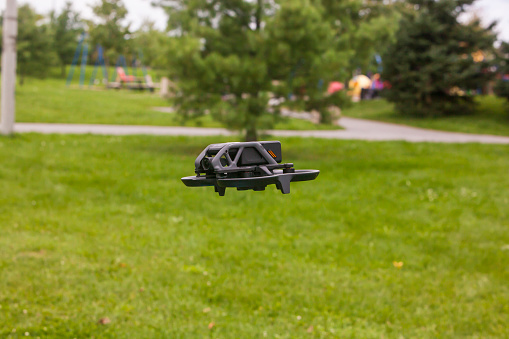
column 84, row 57
column 75, row 59
column 143, row 68
column 10, row 32
column 94, row 72
column 133, row 66
column 103, row 64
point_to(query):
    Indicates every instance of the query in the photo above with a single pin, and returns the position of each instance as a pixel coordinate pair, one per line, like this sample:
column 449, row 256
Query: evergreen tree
column 431, row 66
column 229, row 52
column 502, row 86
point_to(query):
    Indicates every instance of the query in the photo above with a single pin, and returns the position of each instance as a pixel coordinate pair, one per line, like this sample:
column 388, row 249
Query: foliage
column 65, row 29
column 431, row 66
column 227, row 73
column 300, row 56
column 228, row 54
column 34, row 44
column 98, row 227
column 153, row 44
column 111, row 32
column 362, row 29
column 502, row 86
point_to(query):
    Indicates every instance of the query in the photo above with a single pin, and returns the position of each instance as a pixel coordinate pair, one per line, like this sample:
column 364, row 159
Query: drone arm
column 265, row 170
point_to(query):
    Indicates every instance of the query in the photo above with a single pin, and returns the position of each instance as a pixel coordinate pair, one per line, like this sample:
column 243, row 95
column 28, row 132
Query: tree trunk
column 62, row 70
column 251, row 133
column 259, row 11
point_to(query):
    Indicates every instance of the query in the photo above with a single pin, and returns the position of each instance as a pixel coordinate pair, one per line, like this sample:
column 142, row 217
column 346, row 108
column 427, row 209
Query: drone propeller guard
column 245, row 165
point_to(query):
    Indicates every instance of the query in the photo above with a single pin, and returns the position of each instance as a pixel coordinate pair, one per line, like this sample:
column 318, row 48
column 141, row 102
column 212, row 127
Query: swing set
column 120, row 77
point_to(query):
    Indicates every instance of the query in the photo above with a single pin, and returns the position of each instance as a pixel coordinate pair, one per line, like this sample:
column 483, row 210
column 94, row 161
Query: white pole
column 10, row 32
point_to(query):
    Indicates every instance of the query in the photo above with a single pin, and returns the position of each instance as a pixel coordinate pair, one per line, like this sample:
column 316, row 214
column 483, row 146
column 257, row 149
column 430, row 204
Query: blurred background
column 252, row 66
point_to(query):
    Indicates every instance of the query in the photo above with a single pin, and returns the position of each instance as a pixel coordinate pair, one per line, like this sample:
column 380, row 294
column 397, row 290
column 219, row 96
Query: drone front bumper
column 281, row 180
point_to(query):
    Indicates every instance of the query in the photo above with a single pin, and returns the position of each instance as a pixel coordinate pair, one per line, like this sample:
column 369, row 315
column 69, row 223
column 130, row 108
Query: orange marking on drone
column 272, row 153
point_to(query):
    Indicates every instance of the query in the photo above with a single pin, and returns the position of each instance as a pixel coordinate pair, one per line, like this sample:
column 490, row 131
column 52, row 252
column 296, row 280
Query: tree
column 111, row 32
column 65, row 27
column 432, row 66
column 228, row 53
column 34, row 56
column 301, row 58
column 362, row 28
column 153, row 44
column 502, row 85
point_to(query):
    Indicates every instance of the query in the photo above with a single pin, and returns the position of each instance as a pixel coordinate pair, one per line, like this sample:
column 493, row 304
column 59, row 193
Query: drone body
column 245, row 165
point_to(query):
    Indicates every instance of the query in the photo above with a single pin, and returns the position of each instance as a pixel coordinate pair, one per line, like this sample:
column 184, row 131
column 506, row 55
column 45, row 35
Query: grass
column 50, row 101
column 101, row 226
column 490, row 117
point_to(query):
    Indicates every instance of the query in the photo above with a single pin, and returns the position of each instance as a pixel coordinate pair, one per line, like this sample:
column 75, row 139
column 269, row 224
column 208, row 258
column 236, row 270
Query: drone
column 246, row 166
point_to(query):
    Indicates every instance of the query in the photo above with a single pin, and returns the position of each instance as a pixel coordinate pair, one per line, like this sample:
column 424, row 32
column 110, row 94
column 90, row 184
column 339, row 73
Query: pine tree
column 228, row 53
column 432, row 67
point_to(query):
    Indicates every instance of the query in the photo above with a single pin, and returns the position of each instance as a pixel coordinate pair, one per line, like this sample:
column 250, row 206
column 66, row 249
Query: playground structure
column 120, row 77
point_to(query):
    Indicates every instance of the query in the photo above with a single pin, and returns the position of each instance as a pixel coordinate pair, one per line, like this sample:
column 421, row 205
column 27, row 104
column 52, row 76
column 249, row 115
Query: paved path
column 354, row 129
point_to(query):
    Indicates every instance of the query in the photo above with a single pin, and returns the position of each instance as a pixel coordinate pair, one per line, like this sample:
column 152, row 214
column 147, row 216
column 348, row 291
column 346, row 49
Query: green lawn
column 98, row 227
column 51, row 101
column 491, row 117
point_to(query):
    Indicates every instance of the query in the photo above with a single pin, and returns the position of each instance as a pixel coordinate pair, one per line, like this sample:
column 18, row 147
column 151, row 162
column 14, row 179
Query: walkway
column 357, row 129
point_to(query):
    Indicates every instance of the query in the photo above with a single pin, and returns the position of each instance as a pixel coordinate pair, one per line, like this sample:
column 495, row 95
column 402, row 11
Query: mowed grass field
column 50, row 101
column 392, row 240
column 490, row 117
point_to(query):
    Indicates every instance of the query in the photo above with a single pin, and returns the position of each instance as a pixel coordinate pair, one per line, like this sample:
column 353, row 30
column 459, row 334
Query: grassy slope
column 97, row 226
column 51, row 102
column 490, row 117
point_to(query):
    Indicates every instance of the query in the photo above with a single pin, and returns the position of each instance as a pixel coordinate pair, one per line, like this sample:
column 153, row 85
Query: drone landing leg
column 220, row 190
column 284, row 184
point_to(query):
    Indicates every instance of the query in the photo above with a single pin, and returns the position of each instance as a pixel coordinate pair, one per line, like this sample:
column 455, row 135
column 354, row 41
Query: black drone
column 245, row 165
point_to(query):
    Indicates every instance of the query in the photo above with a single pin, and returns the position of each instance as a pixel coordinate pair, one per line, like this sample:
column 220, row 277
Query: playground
column 120, row 77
